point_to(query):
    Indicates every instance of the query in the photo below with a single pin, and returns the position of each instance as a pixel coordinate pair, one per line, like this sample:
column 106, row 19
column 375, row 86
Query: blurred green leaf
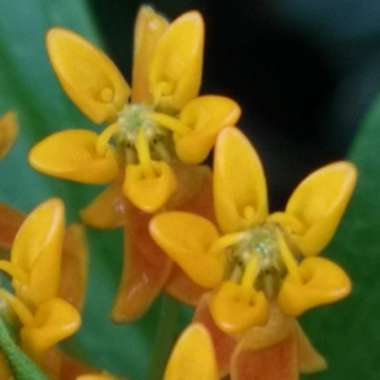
column 29, row 87
column 348, row 333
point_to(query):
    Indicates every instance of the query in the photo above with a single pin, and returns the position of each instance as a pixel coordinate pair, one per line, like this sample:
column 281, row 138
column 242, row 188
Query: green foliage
column 348, row 333
column 23, row 368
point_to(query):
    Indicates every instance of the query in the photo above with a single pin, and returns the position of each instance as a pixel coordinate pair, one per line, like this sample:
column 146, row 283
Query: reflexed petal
column 51, row 362
column 8, row 133
column 323, row 282
column 239, row 183
column 224, row 344
column 206, row 116
column 149, row 193
column 37, row 251
column 176, row 67
column 55, row 320
column 194, row 194
column 194, row 190
column 149, row 28
column 10, row 222
column 309, row 360
column 107, row 210
column 318, row 203
column 71, row 367
column 182, row 288
column 72, row 155
column 186, row 239
column 74, row 266
column 267, row 352
column 145, row 270
column 236, row 308
column 88, row 76
column 272, row 363
column 193, row 357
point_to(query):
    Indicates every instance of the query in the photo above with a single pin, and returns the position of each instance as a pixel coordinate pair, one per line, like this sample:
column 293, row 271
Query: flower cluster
column 204, row 235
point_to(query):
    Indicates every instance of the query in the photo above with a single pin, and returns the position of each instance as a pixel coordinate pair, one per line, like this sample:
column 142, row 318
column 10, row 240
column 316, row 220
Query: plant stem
column 23, row 368
column 167, row 330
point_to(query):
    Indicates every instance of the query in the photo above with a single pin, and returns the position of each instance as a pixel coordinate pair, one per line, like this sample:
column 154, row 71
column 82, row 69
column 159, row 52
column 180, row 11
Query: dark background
column 304, row 72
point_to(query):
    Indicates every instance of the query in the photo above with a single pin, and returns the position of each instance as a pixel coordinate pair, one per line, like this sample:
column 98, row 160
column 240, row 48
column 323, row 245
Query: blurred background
column 303, row 71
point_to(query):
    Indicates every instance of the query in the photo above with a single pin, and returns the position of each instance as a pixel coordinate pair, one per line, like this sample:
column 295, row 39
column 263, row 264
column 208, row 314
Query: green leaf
column 23, row 368
column 348, row 333
column 28, row 86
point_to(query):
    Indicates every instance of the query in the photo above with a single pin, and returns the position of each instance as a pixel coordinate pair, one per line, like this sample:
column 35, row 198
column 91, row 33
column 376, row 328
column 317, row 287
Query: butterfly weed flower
column 156, row 135
column 254, row 259
column 164, row 122
column 41, row 270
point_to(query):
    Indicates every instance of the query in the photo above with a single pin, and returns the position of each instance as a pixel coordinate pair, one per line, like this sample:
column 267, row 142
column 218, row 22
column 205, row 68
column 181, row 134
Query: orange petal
column 224, row 344
column 71, row 368
column 51, row 362
column 74, row 266
column 146, row 268
column 267, row 352
column 145, row 271
column 60, row 366
column 309, row 360
column 107, row 210
column 194, row 194
column 181, row 287
column 10, row 222
column 194, row 189
column 149, row 28
column 272, row 363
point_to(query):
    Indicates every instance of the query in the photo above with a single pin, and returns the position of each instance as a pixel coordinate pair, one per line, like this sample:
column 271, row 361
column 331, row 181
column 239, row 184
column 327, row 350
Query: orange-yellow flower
column 166, row 122
column 259, row 258
column 150, row 149
column 277, row 350
column 35, row 268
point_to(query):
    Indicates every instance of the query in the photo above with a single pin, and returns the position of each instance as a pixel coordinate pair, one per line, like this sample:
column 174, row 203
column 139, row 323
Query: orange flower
column 277, row 350
column 48, row 266
column 262, row 269
column 152, row 145
column 259, row 257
